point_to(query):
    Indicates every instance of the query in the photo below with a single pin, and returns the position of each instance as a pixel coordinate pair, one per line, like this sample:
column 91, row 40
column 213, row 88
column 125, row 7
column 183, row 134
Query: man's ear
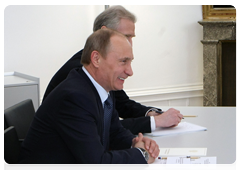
column 95, row 58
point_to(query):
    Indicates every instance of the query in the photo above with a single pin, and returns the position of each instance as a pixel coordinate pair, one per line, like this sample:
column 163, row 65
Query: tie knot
column 108, row 102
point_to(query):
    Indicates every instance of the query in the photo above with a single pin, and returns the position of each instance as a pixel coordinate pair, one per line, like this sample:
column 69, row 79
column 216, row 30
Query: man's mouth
column 121, row 78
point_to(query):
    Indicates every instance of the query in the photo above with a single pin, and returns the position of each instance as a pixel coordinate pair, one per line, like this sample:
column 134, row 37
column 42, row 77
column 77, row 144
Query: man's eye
column 129, row 36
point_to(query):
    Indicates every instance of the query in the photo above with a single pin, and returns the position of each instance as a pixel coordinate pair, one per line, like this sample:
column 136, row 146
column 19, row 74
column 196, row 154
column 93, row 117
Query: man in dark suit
column 69, row 127
column 137, row 117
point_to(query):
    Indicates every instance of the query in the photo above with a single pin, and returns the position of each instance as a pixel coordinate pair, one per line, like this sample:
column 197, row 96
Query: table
column 219, row 139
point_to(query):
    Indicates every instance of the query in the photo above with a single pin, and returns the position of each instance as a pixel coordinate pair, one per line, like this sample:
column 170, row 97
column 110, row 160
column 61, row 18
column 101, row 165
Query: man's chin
column 118, row 88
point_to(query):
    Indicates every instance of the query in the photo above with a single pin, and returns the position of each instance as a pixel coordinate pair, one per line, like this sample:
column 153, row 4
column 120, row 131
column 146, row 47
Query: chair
column 20, row 116
column 11, row 146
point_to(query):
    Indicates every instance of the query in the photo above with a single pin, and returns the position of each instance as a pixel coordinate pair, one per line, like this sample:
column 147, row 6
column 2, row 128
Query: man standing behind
column 137, row 117
column 78, row 123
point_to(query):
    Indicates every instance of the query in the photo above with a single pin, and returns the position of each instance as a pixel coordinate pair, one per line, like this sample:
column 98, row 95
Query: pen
column 161, row 112
column 191, row 157
column 190, row 116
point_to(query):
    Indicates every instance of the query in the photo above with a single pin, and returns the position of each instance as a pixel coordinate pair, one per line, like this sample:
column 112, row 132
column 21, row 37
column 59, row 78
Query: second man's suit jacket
column 132, row 112
column 68, row 128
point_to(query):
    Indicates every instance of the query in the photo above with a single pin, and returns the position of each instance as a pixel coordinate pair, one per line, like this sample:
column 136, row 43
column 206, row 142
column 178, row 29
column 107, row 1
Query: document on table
column 158, row 164
column 185, row 160
column 165, row 152
column 182, row 127
column 204, row 160
column 178, row 163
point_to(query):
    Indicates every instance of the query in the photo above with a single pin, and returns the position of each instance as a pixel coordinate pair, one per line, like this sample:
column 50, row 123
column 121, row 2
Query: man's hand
column 170, row 118
column 148, row 144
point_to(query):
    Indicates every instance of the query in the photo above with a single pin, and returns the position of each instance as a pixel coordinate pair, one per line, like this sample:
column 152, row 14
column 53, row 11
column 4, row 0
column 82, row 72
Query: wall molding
column 152, row 96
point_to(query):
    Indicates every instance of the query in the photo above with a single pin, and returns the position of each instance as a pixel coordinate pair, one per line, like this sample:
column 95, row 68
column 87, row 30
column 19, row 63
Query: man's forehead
column 119, row 43
column 126, row 27
column 118, row 38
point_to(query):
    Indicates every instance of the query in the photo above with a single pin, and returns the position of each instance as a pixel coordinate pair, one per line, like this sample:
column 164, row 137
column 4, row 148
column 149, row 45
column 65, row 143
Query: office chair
column 20, row 116
column 5, row 123
column 11, row 146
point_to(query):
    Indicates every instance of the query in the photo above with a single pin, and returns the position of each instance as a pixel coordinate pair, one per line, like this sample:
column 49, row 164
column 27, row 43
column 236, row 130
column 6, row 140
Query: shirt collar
column 101, row 91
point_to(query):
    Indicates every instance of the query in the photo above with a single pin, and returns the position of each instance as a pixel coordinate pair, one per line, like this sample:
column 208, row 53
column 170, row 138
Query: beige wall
column 38, row 40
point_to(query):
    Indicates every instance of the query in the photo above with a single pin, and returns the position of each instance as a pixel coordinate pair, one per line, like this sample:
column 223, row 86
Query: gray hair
column 111, row 17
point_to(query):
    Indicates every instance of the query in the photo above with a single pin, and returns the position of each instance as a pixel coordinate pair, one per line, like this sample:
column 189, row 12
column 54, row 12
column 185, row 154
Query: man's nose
column 129, row 70
column 130, row 40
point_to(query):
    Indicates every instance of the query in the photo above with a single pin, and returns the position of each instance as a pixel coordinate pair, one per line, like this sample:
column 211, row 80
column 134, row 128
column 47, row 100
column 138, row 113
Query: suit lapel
column 99, row 104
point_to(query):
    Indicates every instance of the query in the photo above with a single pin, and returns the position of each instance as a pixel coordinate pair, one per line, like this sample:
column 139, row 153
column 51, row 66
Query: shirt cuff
column 153, row 124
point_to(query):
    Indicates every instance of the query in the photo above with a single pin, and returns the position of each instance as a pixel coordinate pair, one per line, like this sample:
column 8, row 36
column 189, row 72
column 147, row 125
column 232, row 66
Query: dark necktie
column 108, row 108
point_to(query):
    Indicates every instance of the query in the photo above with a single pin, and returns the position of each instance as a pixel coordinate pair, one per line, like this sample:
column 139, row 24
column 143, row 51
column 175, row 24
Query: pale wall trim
column 184, row 95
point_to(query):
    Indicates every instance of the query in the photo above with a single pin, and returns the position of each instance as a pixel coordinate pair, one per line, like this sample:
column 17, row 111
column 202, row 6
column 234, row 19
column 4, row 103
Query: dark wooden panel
column 229, row 73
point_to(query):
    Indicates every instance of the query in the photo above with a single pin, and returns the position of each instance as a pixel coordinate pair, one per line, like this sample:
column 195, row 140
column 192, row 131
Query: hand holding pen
column 169, row 118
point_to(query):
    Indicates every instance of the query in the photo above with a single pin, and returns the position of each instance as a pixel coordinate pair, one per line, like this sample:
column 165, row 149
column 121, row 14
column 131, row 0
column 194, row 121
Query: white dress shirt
column 104, row 95
column 101, row 91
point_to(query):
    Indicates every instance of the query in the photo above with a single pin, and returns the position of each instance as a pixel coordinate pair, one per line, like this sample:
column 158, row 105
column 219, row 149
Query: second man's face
column 127, row 28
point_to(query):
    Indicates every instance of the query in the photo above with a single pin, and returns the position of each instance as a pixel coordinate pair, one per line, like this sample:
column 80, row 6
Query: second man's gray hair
column 111, row 17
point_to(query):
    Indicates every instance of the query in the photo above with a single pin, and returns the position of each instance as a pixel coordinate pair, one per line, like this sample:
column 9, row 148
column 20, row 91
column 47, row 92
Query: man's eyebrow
column 126, row 58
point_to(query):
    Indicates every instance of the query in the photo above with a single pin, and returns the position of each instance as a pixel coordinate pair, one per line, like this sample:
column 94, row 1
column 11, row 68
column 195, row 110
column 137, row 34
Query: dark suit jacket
column 68, row 128
column 134, row 112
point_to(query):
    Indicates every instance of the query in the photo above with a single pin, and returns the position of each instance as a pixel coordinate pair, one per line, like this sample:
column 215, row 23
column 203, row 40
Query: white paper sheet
column 204, row 163
column 182, row 127
column 165, row 152
column 158, row 164
column 201, row 163
column 178, row 160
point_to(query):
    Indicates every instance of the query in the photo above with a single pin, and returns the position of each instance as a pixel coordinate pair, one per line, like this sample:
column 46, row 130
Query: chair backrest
column 20, row 116
column 11, row 146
